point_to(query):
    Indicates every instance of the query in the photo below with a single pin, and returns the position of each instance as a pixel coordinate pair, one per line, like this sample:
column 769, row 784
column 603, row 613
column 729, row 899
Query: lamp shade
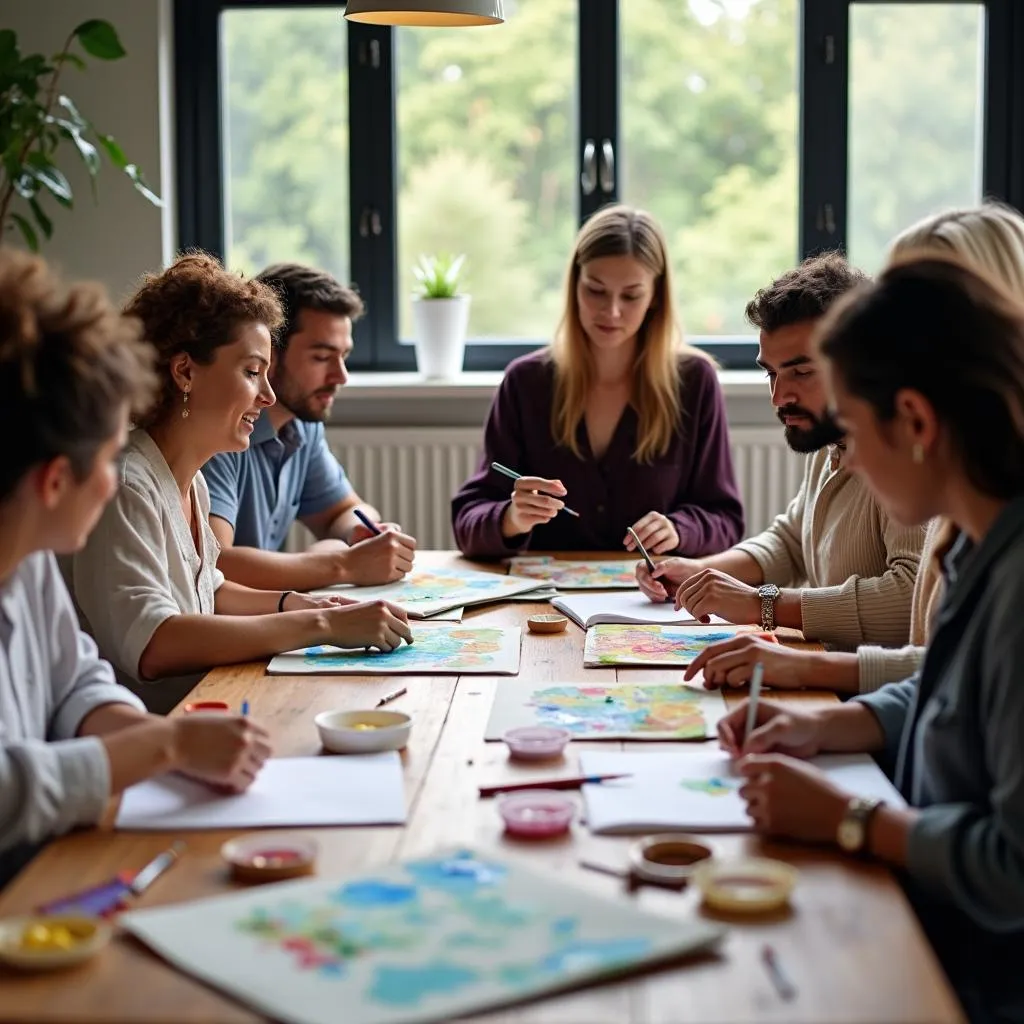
column 436, row 13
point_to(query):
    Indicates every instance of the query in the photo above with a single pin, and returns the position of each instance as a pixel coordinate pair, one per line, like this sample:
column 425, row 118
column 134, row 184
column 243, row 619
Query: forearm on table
column 235, row 599
column 889, row 834
column 850, row 728
column 833, row 670
column 278, row 570
column 140, row 752
column 193, row 643
column 738, row 564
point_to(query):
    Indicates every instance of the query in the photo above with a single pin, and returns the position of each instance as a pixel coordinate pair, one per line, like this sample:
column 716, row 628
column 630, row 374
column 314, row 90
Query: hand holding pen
column 535, row 500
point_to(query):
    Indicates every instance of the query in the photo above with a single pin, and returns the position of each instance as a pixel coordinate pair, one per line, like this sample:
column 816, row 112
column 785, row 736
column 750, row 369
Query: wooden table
column 851, row 943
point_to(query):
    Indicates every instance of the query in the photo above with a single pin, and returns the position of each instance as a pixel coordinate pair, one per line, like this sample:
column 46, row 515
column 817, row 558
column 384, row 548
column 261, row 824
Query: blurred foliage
column 487, row 143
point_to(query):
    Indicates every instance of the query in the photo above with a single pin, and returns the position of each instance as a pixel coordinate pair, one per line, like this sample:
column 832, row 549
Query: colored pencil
column 389, row 697
column 643, row 550
column 367, row 522
column 513, row 475
column 780, row 980
column 755, row 693
column 155, row 868
column 245, row 708
column 571, row 783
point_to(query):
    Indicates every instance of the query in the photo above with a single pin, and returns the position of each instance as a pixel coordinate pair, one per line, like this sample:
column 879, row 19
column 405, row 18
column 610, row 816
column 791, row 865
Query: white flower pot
column 440, row 327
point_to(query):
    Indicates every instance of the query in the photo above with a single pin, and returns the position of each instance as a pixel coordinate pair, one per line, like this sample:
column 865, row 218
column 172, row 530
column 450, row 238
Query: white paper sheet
column 364, row 789
column 696, row 789
column 621, row 606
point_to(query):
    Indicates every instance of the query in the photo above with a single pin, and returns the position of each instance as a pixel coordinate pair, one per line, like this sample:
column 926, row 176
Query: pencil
column 367, row 522
column 755, row 692
column 780, row 980
column 571, row 783
column 245, row 708
column 513, row 475
column 643, row 550
column 389, row 697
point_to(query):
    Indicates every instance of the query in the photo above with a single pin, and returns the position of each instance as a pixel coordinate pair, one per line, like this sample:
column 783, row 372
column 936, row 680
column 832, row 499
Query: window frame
column 823, row 85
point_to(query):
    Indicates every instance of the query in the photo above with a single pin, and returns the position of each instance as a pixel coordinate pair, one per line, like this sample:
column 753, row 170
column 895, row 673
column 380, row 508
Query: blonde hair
column 622, row 231
column 989, row 238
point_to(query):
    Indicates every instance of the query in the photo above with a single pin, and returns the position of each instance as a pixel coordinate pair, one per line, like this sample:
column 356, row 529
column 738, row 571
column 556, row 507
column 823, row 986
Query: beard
column 823, row 430
column 301, row 405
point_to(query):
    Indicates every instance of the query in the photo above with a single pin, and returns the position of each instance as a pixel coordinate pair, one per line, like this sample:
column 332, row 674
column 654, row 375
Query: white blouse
column 140, row 567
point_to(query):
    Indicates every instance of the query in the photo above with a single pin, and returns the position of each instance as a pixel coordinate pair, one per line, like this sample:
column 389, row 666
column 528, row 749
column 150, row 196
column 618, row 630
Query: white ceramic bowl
column 90, row 936
column 363, row 732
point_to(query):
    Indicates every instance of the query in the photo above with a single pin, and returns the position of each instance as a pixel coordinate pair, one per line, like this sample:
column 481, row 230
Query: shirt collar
column 290, row 435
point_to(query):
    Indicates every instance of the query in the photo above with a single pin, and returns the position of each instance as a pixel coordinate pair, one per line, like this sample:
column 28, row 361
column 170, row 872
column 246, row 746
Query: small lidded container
column 536, row 742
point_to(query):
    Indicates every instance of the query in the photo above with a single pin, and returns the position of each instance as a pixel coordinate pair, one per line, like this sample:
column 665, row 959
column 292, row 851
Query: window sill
column 375, row 387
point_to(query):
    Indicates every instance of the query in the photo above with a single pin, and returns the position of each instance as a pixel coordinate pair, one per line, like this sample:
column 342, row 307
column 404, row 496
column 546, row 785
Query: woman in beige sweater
column 990, row 238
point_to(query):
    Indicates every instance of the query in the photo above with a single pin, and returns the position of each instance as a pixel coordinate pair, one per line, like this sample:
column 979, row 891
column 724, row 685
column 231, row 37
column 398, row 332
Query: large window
column 756, row 131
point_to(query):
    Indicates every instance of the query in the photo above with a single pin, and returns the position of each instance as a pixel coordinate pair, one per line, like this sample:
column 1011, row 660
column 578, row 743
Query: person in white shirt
column 70, row 736
column 147, row 581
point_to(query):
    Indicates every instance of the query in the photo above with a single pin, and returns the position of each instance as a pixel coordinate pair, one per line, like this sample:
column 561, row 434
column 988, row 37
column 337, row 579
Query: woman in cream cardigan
column 147, row 582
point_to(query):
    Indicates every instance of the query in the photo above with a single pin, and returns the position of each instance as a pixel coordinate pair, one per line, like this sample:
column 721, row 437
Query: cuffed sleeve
column 877, row 666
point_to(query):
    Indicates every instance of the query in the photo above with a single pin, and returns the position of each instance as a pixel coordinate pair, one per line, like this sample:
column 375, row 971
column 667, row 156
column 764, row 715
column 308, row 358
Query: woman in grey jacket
column 927, row 376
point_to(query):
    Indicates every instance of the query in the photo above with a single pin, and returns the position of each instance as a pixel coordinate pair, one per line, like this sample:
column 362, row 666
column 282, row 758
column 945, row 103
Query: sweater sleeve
column 891, row 705
column 877, row 666
column 480, row 503
column 972, row 852
column 779, row 549
column 868, row 608
column 50, row 784
column 708, row 513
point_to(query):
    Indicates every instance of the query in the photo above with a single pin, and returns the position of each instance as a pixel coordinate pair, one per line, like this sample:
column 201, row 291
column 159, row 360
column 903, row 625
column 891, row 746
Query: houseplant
column 440, row 315
column 37, row 121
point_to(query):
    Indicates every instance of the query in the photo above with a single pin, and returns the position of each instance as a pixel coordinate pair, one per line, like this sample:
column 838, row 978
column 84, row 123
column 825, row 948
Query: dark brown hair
column 69, row 362
column 933, row 325
column 196, row 306
column 804, row 293
column 300, row 287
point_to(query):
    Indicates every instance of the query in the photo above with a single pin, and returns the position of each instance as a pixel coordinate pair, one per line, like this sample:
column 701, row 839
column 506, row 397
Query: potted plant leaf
column 37, row 121
column 440, row 316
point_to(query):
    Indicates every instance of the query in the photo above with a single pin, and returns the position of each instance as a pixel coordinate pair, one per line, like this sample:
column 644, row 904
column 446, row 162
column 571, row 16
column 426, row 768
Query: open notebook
column 623, row 606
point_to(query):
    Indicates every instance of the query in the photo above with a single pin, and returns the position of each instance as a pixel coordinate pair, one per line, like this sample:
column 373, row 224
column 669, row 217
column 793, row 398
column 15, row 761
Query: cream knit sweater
column 856, row 566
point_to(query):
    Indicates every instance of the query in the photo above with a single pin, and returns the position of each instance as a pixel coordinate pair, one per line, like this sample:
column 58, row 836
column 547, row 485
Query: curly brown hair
column 195, row 307
column 804, row 293
column 69, row 363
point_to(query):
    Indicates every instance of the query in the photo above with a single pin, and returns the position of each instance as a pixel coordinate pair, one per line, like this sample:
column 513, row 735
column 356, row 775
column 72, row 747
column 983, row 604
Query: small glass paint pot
column 536, row 742
column 667, row 858
column 756, row 885
column 538, row 814
column 269, row 857
column 211, row 706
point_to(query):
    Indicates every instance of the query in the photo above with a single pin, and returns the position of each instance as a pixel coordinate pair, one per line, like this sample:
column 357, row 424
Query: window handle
column 826, row 219
column 369, row 222
column 588, row 176
column 607, row 172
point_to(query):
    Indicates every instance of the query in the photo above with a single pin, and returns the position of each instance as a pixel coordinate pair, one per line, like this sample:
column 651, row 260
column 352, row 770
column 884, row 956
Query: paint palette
column 269, row 857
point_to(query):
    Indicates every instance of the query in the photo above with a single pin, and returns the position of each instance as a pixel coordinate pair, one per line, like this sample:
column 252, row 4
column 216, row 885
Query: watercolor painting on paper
column 633, row 711
column 452, row 933
column 660, row 645
column 576, row 575
column 444, row 649
column 426, row 592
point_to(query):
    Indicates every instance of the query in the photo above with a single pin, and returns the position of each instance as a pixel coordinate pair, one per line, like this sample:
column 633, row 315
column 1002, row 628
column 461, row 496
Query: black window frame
column 823, row 139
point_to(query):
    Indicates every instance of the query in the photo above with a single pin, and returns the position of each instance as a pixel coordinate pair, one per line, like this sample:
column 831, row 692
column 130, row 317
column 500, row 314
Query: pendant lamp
column 435, row 13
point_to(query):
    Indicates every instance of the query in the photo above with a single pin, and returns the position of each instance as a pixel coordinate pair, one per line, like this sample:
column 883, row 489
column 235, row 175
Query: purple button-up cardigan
column 692, row 483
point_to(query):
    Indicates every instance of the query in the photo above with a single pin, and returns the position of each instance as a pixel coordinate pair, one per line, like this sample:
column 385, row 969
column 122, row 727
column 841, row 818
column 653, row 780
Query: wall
column 121, row 236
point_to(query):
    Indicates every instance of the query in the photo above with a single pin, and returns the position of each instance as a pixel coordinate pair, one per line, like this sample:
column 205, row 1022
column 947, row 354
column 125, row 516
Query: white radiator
column 411, row 473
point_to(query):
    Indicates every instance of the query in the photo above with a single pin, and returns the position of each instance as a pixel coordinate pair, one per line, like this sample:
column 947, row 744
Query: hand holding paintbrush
column 535, row 500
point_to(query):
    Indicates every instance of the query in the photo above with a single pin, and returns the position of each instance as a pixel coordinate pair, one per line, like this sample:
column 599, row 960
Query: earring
column 184, row 407
column 918, row 453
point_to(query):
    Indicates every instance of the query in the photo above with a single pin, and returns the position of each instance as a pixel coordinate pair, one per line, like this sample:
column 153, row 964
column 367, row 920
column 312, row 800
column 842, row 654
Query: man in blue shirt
column 288, row 471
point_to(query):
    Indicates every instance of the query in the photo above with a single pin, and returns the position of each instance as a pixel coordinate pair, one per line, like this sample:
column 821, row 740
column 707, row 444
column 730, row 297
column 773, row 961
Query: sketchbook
column 697, row 789
column 621, row 607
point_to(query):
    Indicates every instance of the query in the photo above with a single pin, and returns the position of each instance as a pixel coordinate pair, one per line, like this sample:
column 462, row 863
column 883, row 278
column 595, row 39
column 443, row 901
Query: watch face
column 850, row 835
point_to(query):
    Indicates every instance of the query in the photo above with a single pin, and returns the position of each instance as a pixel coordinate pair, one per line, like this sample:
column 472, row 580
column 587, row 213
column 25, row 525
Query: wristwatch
column 852, row 833
column 769, row 594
